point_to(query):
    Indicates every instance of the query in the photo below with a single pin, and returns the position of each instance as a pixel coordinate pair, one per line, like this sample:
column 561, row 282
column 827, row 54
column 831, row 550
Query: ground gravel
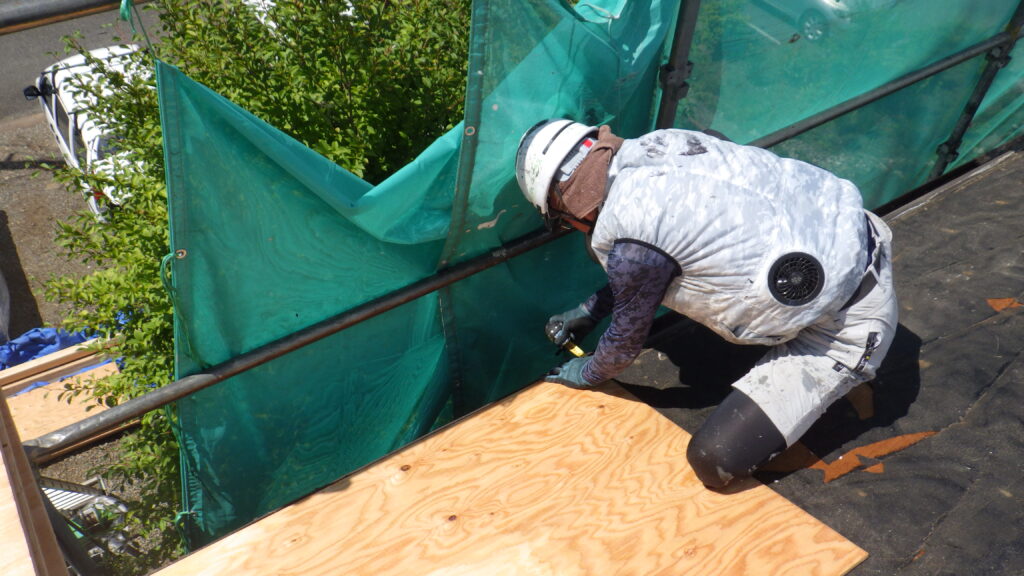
column 31, row 204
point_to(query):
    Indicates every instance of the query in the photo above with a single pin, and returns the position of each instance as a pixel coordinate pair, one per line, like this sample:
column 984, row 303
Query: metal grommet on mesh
column 796, row 279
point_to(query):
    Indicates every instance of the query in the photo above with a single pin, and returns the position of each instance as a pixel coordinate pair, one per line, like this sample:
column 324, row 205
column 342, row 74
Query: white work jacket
column 726, row 213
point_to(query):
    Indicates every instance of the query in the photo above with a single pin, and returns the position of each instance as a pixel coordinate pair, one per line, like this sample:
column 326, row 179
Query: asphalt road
column 31, row 201
column 24, row 54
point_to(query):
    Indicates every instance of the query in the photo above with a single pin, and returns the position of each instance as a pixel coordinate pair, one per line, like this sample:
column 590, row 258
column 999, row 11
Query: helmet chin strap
column 568, row 221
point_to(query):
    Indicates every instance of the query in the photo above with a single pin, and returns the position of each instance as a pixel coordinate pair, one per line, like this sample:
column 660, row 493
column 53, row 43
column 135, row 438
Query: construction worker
column 760, row 249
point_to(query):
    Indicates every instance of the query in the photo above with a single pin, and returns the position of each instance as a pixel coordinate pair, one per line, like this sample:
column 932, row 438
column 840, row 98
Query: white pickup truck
column 82, row 143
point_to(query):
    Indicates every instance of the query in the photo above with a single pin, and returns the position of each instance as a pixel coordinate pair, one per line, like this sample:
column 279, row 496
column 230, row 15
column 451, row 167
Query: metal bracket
column 999, row 56
column 673, row 80
column 947, row 153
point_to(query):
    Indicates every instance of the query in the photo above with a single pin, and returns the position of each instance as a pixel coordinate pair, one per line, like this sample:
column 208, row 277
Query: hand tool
column 554, row 328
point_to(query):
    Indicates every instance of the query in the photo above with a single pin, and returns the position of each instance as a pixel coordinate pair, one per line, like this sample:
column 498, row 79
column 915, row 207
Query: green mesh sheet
column 269, row 238
column 888, row 147
column 756, row 71
column 539, row 61
column 1001, row 115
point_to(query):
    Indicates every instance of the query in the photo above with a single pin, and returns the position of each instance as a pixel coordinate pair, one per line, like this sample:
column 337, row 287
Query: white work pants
column 795, row 382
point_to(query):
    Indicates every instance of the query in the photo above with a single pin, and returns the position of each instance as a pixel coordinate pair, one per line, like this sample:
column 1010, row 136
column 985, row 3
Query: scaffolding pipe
column 39, row 448
column 20, row 14
column 882, row 91
column 997, row 58
column 675, row 73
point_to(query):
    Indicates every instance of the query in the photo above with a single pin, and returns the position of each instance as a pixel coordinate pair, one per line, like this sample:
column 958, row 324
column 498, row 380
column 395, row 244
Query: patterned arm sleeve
column 638, row 277
column 600, row 304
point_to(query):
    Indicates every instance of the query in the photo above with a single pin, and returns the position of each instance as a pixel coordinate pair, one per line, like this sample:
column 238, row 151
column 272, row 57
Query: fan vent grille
column 796, row 279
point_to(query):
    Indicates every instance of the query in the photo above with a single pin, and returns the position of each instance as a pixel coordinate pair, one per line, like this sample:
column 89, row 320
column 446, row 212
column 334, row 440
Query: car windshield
column 106, row 146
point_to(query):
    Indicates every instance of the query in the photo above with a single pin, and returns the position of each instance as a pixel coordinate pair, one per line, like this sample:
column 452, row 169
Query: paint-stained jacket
column 725, row 213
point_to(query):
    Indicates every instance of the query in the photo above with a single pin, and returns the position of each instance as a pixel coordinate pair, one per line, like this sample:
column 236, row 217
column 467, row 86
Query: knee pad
column 710, row 461
column 736, row 438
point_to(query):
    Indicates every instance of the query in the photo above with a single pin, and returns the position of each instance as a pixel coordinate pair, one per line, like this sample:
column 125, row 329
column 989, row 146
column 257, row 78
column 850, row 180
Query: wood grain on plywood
column 41, row 410
column 550, row 481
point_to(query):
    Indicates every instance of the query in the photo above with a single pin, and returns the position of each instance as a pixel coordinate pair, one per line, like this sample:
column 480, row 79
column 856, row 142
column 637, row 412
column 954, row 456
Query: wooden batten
column 49, row 368
column 551, row 481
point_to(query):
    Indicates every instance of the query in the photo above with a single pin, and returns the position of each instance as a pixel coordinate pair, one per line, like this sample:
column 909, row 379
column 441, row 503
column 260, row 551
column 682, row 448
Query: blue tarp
column 36, row 343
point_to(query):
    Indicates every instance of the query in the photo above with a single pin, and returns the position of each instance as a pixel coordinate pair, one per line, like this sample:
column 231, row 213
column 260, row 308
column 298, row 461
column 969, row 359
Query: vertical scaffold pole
column 996, row 59
column 675, row 73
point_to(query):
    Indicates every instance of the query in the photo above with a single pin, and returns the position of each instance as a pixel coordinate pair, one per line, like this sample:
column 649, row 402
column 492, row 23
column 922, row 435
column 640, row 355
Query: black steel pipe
column 886, row 89
column 39, row 448
column 997, row 59
column 26, row 12
column 675, row 73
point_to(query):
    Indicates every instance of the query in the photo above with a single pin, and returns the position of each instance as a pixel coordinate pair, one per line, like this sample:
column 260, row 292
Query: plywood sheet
column 41, row 411
column 551, row 481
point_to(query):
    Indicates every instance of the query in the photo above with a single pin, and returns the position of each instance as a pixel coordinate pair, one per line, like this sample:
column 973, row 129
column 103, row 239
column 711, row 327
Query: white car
column 814, row 19
column 82, row 143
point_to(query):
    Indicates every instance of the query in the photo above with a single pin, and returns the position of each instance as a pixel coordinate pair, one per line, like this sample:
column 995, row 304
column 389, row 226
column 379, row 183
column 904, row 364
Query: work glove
column 570, row 374
column 572, row 325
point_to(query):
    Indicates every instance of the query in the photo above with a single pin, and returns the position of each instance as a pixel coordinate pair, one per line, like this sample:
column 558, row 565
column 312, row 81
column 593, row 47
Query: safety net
column 762, row 65
column 269, row 238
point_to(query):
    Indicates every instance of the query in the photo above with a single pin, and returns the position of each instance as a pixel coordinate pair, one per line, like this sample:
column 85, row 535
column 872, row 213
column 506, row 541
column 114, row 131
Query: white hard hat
column 542, row 150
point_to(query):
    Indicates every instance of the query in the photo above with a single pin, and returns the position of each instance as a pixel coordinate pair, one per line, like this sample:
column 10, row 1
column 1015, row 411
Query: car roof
column 76, row 66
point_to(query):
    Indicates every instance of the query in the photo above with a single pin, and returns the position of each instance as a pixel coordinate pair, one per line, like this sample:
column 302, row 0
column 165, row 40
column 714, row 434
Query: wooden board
column 551, row 481
column 48, row 368
column 29, row 546
column 41, row 411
